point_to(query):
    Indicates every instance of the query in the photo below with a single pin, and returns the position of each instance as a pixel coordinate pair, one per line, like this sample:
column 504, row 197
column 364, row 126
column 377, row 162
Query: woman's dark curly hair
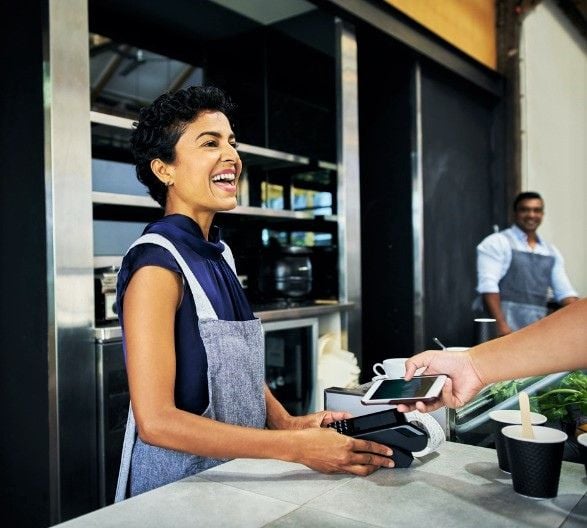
column 161, row 124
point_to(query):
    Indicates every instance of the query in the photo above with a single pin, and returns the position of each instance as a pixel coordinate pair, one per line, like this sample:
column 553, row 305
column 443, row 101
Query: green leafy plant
column 502, row 390
column 566, row 400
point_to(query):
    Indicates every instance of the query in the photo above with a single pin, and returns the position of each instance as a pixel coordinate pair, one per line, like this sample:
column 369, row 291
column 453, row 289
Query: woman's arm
column 150, row 304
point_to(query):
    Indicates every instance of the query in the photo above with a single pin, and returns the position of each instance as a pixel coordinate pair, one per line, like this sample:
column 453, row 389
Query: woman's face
column 206, row 168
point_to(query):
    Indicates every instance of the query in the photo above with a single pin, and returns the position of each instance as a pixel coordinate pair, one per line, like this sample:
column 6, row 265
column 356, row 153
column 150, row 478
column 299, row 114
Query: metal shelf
column 254, row 157
column 129, row 200
column 252, row 154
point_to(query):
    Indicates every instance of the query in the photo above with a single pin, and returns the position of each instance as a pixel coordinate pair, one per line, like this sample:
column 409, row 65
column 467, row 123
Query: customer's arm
column 553, row 344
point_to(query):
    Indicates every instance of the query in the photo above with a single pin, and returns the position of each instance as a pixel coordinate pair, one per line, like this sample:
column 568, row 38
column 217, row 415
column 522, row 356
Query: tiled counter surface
column 459, row 486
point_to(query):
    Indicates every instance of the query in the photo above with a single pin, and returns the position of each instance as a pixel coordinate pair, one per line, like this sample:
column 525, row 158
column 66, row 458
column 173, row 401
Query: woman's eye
column 235, row 146
column 211, row 143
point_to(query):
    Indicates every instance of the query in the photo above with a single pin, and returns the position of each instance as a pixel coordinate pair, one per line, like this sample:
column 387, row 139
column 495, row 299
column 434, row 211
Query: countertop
column 114, row 332
column 458, row 486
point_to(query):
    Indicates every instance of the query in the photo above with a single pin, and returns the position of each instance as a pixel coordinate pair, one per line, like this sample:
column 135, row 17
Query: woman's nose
column 229, row 153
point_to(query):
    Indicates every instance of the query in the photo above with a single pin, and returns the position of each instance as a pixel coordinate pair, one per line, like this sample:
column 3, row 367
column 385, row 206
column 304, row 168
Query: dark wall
column 462, row 182
column 386, row 198
column 24, row 442
column 463, row 195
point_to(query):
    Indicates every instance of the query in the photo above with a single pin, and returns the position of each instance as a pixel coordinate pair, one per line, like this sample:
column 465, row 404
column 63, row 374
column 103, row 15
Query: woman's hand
column 317, row 419
column 325, row 450
column 462, row 383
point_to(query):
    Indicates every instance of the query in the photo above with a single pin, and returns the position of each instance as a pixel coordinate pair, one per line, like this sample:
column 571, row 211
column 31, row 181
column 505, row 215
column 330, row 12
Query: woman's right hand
column 326, row 451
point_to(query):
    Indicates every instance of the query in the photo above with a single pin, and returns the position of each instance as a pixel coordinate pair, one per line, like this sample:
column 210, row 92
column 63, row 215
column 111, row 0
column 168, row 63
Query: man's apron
column 523, row 289
column 235, row 351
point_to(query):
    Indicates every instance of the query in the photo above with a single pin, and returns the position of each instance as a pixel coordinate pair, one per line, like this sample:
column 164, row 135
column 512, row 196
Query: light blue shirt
column 494, row 256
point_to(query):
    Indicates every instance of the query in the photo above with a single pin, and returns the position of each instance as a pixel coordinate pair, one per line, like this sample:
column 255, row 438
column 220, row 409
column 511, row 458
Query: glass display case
column 561, row 397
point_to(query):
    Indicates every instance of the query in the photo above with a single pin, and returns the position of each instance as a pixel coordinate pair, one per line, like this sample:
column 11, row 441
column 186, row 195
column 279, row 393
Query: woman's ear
column 162, row 171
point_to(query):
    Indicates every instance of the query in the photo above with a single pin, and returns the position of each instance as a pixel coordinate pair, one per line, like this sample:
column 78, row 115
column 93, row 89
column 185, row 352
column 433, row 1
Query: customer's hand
column 325, row 450
column 462, row 382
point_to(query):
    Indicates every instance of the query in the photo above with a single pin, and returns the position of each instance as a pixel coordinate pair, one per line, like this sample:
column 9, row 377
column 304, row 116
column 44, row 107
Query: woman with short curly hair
column 194, row 350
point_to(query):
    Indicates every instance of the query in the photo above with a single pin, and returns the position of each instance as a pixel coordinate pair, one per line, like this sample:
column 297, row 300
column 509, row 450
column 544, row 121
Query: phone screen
column 395, row 389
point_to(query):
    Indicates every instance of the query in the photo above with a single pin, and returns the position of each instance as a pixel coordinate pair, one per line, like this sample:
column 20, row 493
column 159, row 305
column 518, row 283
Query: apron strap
column 125, row 459
column 203, row 304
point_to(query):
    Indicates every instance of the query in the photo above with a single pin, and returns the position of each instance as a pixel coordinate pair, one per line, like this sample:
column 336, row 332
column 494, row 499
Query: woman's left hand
column 317, row 419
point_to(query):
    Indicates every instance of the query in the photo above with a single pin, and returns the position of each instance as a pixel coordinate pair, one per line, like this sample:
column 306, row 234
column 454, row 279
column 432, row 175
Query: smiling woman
column 202, row 177
column 194, row 351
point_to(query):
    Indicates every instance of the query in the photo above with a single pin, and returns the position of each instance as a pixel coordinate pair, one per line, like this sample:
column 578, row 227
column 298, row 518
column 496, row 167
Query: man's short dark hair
column 529, row 195
column 161, row 124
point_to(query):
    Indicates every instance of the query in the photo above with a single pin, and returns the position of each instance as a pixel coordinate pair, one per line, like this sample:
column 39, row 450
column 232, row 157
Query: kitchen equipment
column 112, row 409
column 388, row 427
column 286, row 272
column 437, row 341
column 485, row 329
column 291, row 351
column 105, row 294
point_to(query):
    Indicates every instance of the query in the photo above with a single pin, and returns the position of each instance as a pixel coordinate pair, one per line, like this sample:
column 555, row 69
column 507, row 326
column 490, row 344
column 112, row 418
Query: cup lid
column 513, row 416
column 542, row 435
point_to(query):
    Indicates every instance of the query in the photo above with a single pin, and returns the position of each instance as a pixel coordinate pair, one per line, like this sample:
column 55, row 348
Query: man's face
column 528, row 215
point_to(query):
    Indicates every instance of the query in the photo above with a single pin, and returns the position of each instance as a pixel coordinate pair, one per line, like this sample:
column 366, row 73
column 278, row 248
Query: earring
column 168, row 183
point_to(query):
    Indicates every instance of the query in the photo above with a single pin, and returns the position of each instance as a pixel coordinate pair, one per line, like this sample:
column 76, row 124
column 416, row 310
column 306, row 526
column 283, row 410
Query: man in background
column 516, row 270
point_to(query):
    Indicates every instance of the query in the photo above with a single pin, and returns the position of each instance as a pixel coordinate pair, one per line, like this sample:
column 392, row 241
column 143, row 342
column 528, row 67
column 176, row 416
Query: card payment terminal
column 389, row 428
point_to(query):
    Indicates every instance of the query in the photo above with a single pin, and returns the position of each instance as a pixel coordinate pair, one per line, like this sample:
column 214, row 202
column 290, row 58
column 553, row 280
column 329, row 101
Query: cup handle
column 376, row 366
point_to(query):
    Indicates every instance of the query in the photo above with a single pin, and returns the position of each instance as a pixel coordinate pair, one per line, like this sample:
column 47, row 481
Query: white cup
column 391, row 368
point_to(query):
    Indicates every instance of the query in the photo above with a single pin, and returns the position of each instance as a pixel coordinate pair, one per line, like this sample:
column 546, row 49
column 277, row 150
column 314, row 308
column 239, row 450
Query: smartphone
column 392, row 391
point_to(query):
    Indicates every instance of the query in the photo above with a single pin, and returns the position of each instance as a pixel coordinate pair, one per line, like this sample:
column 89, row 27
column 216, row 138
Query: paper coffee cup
column 536, row 462
column 582, row 441
column 501, row 418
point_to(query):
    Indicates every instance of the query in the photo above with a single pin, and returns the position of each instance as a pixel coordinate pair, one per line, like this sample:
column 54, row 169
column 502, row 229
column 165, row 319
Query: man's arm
column 563, row 290
column 568, row 300
column 493, row 260
column 492, row 303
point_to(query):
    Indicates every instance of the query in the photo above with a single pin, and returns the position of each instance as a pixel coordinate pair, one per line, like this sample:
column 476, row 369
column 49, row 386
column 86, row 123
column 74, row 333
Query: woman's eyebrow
column 213, row 133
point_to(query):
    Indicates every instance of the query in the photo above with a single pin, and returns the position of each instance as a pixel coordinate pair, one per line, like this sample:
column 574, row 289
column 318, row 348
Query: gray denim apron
column 235, row 351
column 524, row 288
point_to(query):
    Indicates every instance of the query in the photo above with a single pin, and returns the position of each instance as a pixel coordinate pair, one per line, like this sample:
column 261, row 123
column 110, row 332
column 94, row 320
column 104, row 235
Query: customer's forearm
column 553, row 344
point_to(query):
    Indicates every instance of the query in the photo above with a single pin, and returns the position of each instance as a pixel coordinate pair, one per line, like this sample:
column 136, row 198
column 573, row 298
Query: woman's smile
column 226, row 180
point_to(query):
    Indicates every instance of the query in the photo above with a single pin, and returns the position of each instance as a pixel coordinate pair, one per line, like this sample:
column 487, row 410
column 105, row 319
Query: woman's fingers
column 367, row 446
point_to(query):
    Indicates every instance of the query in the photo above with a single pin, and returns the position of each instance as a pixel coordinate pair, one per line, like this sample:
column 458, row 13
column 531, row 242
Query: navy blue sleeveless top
column 204, row 257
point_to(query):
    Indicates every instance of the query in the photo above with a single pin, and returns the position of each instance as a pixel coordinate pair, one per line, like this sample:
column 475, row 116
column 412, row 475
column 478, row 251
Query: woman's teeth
column 224, row 177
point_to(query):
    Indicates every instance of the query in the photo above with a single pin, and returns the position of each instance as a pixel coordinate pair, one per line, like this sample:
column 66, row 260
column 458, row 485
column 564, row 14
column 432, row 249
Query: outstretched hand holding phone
column 461, row 384
column 554, row 344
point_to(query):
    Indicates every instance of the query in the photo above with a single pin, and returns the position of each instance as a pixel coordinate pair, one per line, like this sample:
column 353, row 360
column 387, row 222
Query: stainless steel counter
column 113, row 333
